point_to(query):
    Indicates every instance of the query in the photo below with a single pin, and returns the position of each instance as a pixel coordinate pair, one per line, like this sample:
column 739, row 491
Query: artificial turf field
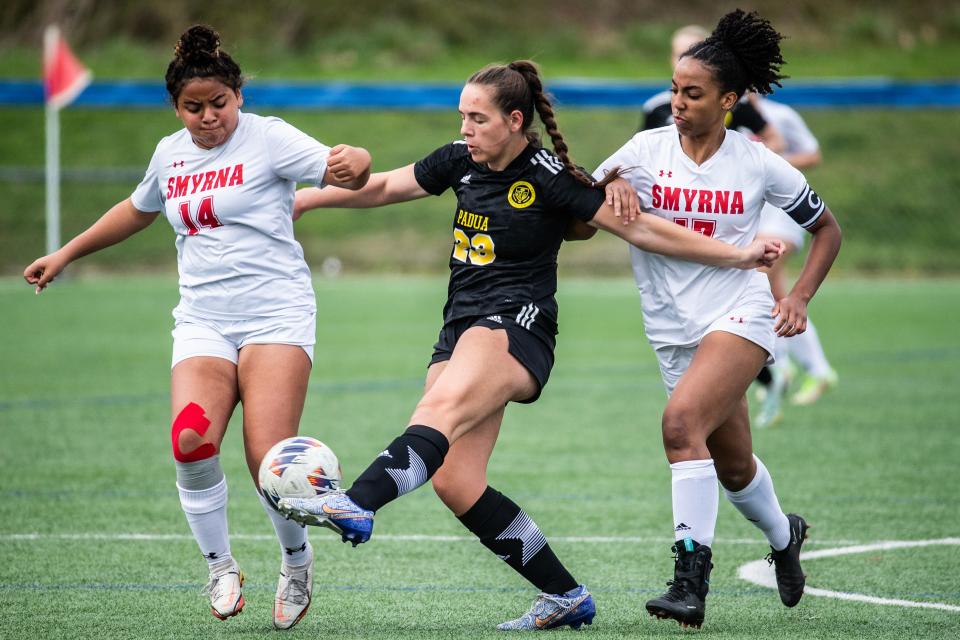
column 93, row 543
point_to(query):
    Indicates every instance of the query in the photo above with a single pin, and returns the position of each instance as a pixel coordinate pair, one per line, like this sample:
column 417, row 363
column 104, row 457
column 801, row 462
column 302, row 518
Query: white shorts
column 749, row 318
column 194, row 336
column 774, row 223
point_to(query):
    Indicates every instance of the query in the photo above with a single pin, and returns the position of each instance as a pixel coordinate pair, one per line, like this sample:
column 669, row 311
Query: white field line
column 761, row 573
column 384, row 537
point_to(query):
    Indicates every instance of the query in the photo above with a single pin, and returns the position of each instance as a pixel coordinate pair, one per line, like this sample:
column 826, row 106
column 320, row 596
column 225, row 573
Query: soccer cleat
column 574, row 608
column 334, row 510
column 790, row 577
column 685, row 600
column 814, row 387
column 294, row 591
column 226, row 599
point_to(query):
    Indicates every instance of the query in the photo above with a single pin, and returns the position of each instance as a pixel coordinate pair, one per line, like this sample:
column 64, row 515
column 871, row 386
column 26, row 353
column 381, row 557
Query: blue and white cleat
column 574, row 608
column 334, row 510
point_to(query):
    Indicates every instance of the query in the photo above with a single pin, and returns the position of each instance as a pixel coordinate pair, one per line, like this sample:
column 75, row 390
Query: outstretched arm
column 399, row 185
column 652, row 233
column 620, row 195
column 119, row 223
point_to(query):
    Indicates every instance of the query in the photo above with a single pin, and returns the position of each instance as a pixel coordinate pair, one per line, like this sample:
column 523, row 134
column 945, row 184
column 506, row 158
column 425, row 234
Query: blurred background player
column 712, row 329
column 516, row 202
column 244, row 329
column 802, row 151
column 744, row 115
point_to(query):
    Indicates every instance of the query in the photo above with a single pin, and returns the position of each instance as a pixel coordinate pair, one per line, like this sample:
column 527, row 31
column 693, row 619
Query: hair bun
column 198, row 43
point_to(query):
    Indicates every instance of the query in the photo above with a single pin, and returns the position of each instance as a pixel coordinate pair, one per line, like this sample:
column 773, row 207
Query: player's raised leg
column 273, row 385
column 203, row 396
column 479, row 380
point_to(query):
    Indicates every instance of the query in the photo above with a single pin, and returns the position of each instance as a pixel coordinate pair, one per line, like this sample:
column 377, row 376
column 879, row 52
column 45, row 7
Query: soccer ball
column 298, row 467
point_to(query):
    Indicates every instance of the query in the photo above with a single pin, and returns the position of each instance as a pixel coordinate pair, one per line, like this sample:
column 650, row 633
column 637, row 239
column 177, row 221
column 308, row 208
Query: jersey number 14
column 206, row 218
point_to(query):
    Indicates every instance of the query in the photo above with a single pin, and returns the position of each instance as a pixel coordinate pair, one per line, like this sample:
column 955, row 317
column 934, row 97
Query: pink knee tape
column 192, row 418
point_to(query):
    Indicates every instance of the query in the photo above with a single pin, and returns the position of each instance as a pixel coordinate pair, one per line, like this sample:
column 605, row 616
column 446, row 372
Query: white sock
column 695, row 500
column 206, row 512
column 292, row 536
column 808, row 352
column 758, row 503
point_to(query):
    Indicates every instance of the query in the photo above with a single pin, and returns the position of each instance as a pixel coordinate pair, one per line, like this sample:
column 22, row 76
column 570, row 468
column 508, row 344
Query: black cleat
column 790, row 577
column 684, row 601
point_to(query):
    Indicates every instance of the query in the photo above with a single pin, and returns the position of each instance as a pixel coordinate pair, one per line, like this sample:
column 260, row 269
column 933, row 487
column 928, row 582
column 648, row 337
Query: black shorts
column 532, row 344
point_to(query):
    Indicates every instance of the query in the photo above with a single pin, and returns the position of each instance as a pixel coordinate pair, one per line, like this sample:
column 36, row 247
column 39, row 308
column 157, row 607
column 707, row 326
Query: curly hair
column 744, row 53
column 198, row 55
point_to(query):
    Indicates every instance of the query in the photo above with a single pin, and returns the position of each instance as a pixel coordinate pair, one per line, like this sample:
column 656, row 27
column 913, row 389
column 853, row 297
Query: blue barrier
column 437, row 96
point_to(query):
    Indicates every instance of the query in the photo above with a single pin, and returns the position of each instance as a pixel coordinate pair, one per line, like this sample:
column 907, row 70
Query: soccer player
column 515, row 202
column 244, row 329
column 713, row 328
column 744, row 115
column 802, row 151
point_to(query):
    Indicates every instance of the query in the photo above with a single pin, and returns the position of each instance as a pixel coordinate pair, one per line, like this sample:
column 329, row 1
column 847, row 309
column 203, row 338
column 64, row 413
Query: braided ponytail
column 744, row 52
column 517, row 87
column 541, row 102
column 197, row 54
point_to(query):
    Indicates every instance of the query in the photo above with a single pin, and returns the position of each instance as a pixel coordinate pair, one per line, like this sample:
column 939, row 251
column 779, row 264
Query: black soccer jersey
column 507, row 227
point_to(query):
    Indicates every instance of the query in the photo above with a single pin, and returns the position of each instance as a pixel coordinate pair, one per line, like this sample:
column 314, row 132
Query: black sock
column 765, row 377
column 403, row 466
column 506, row 530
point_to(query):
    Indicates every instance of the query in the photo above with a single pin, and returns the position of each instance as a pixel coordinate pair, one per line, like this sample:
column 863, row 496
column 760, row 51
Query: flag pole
column 50, row 37
column 53, row 177
column 64, row 78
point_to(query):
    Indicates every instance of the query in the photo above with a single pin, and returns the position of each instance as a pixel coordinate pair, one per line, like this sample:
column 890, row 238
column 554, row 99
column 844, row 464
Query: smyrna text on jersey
column 697, row 200
column 179, row 186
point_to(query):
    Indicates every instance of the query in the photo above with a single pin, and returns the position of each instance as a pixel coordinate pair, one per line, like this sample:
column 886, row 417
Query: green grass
column 887, row 175
column 85, row 418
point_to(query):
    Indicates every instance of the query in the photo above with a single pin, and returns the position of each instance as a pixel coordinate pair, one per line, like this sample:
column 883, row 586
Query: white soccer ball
column 298, row 467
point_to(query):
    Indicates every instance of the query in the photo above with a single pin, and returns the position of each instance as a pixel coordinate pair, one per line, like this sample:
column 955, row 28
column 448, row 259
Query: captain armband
column 806, row 209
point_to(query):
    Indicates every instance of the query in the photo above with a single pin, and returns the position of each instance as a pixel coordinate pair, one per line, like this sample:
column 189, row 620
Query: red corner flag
column 63, row 75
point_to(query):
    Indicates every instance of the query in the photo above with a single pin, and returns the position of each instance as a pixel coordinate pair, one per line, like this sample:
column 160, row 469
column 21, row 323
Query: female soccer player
column 712, row 328
column 744, row 115
column 245, row 327
column 514, row 202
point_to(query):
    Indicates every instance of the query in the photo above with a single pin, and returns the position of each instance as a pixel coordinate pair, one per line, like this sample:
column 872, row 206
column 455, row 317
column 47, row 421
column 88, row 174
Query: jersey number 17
column 706, row 227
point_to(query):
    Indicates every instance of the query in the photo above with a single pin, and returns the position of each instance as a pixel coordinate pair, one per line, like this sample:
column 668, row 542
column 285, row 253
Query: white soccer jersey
column 721, row 198
column 231, row 207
